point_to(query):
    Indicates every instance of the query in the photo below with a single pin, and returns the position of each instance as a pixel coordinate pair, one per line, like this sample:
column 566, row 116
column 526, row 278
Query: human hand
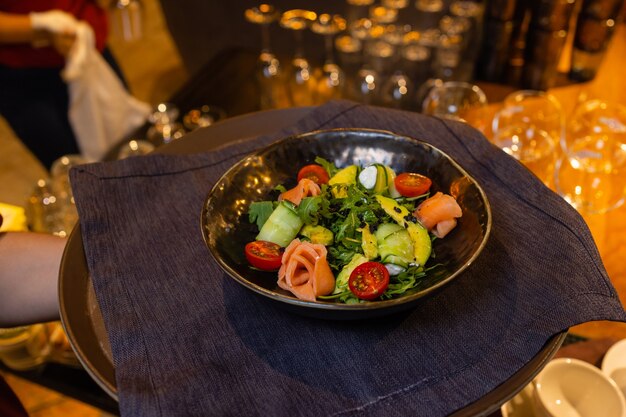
column 78, row 54
column 54, row 21
column 63, row 42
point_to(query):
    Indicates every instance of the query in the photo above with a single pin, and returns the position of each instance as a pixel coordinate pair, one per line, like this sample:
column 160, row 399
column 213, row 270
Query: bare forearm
column 16, row 28
column 29, row 269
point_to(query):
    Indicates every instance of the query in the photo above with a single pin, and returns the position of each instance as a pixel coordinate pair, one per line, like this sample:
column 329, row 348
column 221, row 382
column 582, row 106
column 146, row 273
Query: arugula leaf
column 280, row 188
column 259, row 212
column 340, row 255
column 330, row 167
column 308, row 209
column 404, row 281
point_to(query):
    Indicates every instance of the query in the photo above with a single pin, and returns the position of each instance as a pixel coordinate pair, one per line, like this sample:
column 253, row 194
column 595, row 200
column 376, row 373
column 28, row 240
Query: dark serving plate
column 226, row 228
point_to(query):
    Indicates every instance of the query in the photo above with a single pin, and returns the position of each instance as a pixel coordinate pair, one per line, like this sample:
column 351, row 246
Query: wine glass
column 383, row 15
column 350, row 57
column 164, row 127
column 300, row 78
column 51, row 207
column 472, row 13
column 349, row 53
column 416, row 63
column 126, row 19
column 397, row 89
column 62, row 191
column 452, row 43
column 457, row 100
column 332, row 79
column 363, row 86
column 370, row 76
column 135, row 147
column 203, row 116
column 273, row 93
column 529, row 127
column 429, row 12
column 592, row 174
column 357, row 9
column 404, row 14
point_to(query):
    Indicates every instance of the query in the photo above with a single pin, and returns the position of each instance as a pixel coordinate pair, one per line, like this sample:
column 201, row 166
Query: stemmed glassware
column 457, row 100
column 332, row 80
column 164, row 127
column 51, row 207
column 592, row 174
column 472, row 13
column 415, row 59
column 126, row 19
column 357, row 9
column 397, row 90
column 529, row 127
column 203, row 116
column 273, row 93
column 300, row 78
column 401, row 7
column 428, row 14
column 135, row 147
column 366, row 83
column 450, row 49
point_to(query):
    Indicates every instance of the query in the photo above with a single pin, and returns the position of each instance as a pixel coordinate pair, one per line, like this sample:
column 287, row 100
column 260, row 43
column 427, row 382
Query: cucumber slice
column 419, row 235
column 397, row 248
column 282, row 226
column 385, row 230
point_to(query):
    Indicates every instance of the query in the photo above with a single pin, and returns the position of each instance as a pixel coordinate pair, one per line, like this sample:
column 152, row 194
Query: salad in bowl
column 359, row 233
column 345, row 223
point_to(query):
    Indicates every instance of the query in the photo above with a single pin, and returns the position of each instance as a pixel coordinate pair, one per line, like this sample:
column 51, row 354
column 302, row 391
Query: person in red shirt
column 35, row 37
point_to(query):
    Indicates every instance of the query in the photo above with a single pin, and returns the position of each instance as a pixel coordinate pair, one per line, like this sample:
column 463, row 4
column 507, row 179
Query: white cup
column 614, row 364
column 574, row 388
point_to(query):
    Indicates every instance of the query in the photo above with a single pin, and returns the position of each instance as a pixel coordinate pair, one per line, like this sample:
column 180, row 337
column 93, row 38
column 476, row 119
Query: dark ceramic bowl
column 226, row 228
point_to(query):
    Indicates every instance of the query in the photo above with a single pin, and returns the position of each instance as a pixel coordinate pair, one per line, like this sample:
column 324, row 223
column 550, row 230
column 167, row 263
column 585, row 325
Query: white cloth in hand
column 101, row 112
column 55, row 21
column 77, row 57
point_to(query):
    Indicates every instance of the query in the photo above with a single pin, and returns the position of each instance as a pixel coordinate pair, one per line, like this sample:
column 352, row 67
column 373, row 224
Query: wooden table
column 609, row 230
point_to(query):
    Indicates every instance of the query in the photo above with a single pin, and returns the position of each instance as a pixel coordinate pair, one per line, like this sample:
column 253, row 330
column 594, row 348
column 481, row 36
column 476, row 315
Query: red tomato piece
column 315, row 173
column 410, row 184
column 369, row 280
column 264, row 255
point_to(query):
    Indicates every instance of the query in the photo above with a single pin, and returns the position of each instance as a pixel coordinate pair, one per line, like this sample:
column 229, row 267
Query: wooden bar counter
column 609, row 230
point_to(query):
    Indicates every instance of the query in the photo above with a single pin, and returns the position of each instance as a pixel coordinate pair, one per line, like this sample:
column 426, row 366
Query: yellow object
column 422, row 245
column 368, row 242
column 14, row 218
column 318, row 234
column 385, row 181
column 340, row 179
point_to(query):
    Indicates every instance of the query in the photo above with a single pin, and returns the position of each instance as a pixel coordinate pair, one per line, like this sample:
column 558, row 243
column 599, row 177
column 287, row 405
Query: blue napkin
column 188, row 340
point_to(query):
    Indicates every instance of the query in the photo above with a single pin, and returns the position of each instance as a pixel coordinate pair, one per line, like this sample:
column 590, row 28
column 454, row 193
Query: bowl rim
column 324, row 305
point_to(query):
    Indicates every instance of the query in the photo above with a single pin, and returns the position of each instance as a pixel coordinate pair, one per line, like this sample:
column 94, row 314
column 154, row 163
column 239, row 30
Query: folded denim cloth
column 188, row 340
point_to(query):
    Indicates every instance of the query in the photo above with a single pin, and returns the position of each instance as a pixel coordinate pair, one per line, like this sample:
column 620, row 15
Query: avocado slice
column 369, row 243
column 346, row 176
column 318, row 234
column 422, row 245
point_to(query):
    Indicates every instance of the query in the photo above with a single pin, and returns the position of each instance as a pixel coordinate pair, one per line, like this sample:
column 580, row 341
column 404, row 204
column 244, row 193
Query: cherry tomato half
column 264, row 255
column 369, row 280
column 315, row 173
column 410, row 184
